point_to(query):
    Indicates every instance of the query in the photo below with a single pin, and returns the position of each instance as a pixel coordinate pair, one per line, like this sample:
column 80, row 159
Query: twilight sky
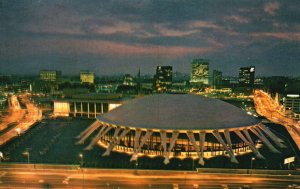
column 120, row 36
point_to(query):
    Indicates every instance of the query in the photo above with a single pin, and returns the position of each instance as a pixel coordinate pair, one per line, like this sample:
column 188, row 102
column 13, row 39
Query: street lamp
column 28, row 155
column 81, row 165
column 193, row 159
column 81, row 159
column 136, row 164
column 252, row 159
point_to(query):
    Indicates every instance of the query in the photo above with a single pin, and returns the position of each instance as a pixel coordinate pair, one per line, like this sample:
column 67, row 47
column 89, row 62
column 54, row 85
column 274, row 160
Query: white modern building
column 180, row 125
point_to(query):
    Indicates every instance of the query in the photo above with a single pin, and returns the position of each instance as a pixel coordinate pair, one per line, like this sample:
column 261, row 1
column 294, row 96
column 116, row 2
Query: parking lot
column 53, row 141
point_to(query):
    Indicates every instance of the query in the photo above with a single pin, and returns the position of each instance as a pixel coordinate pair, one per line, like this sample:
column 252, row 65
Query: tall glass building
column 200, row 71
column 163, row 78
column 246, row 76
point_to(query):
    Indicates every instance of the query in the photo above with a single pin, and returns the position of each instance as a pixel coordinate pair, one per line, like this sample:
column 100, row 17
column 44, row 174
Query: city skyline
column 122, row 36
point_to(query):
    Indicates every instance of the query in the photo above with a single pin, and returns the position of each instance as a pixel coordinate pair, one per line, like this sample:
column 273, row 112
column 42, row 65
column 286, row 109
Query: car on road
column 245, row 187
column 294, row 186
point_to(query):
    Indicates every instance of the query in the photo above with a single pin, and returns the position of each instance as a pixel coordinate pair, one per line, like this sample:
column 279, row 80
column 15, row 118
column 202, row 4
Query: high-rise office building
column 247, row 76
column 50, row 75
column 87, row 77
column 216, row 79
column 163, row 78
column 200, row 68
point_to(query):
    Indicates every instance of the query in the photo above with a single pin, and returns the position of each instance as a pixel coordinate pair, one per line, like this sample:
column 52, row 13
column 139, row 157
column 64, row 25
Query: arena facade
column 180, row 125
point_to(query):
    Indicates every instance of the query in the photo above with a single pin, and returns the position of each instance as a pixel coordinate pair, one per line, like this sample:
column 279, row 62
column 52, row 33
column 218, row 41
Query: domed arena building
column 180, row 125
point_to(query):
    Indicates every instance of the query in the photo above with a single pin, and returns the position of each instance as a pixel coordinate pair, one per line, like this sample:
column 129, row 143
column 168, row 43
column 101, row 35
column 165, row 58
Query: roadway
column 25, row 120
column 13, row 117
column 267, row 107
column 125, row 179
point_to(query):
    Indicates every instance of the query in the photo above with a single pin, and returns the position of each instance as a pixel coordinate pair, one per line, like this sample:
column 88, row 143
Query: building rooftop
column 178, row 112
column 92, row 97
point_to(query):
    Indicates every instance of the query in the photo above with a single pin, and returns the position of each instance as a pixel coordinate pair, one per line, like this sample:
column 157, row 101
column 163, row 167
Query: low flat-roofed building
column 50, row 75
column 292, row 105
column 87, row 77
column 86, row 105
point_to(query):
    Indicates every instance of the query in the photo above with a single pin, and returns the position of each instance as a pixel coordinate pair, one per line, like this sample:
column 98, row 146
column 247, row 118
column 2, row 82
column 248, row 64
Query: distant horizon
column 123, row 36
column 146, row 74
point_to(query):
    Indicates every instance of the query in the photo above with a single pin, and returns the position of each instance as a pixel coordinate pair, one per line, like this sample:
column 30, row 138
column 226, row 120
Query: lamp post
column 81, row 159
column 193, row 159
column 81, row 166
column 252, row 159
column 28, row 154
